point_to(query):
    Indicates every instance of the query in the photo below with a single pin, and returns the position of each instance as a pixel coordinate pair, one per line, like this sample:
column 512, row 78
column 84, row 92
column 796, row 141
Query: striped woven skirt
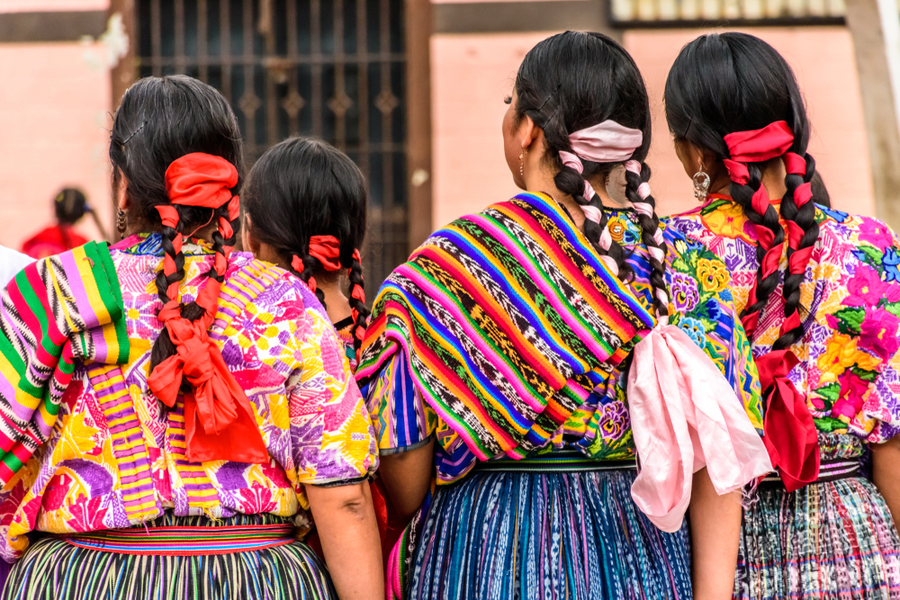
column 545, row 534
column 833, row 539
column 250, row 557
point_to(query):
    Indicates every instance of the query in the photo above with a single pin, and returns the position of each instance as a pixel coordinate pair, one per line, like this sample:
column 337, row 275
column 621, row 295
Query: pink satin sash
column 685, row 416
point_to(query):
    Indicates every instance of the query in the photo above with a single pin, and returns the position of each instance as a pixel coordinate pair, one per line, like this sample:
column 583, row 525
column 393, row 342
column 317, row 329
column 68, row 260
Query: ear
column 693, row 158
column 250, row 243
column 528, row 133
column 123, row 202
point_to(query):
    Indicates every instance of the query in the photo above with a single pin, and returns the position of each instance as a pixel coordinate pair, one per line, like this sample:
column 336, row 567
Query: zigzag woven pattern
column 507, row 318
column 56, row 310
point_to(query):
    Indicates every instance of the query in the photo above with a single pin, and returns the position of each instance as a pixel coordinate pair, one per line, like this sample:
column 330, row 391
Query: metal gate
column 334, row 69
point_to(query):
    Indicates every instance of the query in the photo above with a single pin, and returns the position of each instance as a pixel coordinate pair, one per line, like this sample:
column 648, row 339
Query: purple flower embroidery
column 614, row 420
column 684, row 292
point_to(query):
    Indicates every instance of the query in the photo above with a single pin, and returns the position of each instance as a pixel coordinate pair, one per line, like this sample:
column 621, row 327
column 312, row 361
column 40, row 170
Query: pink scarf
column 685, row 416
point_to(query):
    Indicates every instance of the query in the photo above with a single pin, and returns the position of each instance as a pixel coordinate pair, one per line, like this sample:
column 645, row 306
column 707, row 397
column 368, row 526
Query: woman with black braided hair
column 177, row 413
column 305, row 211
column 819, row 295
column 523, row 357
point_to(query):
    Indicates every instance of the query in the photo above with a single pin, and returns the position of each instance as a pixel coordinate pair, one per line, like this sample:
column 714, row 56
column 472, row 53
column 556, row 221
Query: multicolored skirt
column 251, row 557
column 832, row 539
column 545, row 534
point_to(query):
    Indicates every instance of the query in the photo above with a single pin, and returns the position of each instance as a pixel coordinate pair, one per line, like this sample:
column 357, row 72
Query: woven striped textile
column 185, row 540
column 830, row 539
column 508, row 319
column 545, row 536
column 56, row 311
column 54, row 568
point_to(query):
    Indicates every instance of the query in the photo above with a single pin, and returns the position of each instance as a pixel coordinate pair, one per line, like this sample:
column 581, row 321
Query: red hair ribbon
column 790, row 433
column 299, row 267
column 327, row 249
column 760, row 145
column 219, row 420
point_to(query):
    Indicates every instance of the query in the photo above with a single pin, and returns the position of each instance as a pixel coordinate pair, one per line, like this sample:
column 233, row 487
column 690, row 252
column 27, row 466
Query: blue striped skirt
column 551, row 535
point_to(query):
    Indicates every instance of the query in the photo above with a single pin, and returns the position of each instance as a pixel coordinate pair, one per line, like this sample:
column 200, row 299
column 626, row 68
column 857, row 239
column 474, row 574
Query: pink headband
column 604, row 142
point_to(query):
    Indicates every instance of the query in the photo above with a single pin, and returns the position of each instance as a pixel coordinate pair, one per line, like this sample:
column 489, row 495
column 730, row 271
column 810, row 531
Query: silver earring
column 701, row 184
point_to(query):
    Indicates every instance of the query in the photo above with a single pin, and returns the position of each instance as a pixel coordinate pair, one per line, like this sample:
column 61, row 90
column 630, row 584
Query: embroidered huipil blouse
column 115, row 457
column 701, row 304
column 850, row 310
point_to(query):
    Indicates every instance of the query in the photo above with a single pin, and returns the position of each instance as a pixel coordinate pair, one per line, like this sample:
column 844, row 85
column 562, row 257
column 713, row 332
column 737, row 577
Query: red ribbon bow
column 219, row 423
column 219, row 420
column 789, row 431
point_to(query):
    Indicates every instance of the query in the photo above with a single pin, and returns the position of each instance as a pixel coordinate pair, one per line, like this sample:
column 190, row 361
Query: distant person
column 70, row 206
column 11, row 262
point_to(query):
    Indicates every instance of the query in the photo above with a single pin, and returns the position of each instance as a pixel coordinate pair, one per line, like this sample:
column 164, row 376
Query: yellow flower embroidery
column 616, row 230
column 840, row 354
column 713, row 275
column 727, row 220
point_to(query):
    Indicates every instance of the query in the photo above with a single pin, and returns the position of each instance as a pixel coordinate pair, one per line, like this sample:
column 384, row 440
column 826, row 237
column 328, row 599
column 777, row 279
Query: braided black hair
column 575, row 80
column 732, row 82
column 302, row 188
column 160, row 120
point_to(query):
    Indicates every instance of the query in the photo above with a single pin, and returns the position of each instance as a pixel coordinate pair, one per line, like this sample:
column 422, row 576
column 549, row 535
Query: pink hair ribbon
column 685, row 416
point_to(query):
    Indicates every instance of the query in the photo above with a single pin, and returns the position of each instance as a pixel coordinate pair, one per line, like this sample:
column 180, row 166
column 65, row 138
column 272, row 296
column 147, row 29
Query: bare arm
column 407, row 477
column 886, row 473
column 347, row 529
column 715, row 536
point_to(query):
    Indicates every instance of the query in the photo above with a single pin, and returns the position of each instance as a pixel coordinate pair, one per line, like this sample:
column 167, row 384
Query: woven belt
column 555, row 462
column 185, row 541
column 829, row 470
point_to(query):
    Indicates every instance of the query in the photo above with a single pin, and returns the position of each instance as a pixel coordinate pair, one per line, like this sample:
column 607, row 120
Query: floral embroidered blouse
column 850, row 308
column 701, row 304
column 115, row 459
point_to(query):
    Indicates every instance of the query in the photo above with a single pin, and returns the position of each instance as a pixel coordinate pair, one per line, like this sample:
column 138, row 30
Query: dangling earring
column 522, row 162
column 121, row 223
column 701, row 184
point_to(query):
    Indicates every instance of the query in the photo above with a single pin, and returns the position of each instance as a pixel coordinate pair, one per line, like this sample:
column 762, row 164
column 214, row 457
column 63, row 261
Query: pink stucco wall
column 51, row 5
column 470, row 77
column 54, row 106
column 471, row 74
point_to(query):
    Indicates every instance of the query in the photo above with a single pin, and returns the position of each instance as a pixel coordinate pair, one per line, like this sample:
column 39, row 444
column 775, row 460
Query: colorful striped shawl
column 508, row 319
column 56, row 311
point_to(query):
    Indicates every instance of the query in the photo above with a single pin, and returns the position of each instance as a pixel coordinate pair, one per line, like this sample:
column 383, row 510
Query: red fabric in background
column 53, row 240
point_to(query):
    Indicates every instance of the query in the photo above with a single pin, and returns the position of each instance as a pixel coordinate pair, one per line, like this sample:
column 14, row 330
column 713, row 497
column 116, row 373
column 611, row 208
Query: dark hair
column 302, row 188
column 574, row 80
column 819, row 191
column 162, row 119
column 731, row 82
column 70, row 205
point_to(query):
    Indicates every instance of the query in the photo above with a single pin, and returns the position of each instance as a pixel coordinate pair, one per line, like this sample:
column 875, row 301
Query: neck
column 336, row 303
column 772, row 179
column 542, row 181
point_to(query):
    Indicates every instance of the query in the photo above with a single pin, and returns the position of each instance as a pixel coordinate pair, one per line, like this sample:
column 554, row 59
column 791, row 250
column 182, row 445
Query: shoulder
column 273, row 285
column 682, row 245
